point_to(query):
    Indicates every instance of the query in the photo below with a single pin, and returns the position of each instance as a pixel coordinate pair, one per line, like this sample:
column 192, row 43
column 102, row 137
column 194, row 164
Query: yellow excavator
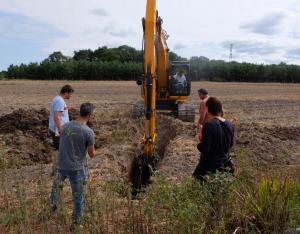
column 165, row 85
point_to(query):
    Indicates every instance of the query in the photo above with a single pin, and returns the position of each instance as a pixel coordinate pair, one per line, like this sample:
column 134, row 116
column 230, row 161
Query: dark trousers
column 55, row 140
column 205, row 168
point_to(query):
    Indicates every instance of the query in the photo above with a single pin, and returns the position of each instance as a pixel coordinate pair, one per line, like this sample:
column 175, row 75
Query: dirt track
column 269, row 126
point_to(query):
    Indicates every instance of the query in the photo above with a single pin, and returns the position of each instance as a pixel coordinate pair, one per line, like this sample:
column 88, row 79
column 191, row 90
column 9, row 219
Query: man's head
column 86, row 110
column 202, row 93
column 181, row 72
column 214, row 106
column 66, row 91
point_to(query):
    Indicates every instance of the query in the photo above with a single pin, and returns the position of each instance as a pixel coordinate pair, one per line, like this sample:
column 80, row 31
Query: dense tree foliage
column 125, row 63
column 122, row 63
column 218, row 70
column 2, row 74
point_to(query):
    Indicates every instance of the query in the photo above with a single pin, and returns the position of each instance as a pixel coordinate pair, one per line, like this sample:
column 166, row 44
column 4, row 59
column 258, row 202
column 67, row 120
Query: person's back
column 75, row 137
column 76, row 140
column 217, row 139
column 216, row 142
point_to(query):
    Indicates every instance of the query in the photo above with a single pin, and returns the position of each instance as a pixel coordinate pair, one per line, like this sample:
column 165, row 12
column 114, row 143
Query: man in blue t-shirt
column 59, row 113
column 76, row 139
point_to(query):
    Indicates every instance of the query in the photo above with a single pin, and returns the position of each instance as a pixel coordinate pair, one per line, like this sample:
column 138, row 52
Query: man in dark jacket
column 217, row 139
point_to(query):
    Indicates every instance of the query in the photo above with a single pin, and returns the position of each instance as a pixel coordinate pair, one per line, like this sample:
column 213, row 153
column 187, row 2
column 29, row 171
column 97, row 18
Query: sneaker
column 53, row 208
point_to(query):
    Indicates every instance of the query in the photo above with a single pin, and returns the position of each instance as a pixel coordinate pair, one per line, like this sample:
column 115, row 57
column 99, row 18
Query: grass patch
column 223, row 204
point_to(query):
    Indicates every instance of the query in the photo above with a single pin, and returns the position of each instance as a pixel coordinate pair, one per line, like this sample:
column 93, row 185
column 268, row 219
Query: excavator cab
column 179, row 79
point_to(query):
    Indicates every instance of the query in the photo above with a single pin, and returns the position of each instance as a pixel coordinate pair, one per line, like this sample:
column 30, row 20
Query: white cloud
column 270, row 24
column 100, row 12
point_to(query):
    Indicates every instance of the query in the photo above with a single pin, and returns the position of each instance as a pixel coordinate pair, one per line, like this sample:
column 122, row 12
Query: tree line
column 218, row 70
column 126, row 63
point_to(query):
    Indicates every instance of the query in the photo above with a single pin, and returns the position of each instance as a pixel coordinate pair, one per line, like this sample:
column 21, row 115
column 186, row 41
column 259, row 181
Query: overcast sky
column 261, row 31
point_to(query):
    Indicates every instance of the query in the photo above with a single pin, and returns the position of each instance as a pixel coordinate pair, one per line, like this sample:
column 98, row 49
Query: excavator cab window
column 179, row 81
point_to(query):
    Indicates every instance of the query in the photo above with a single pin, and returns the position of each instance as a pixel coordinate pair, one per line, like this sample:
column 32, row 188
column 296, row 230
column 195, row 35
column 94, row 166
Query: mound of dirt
column 25, row 138
column 270, row 144
column 33, row 122
column 266, row 146
column 24, row 134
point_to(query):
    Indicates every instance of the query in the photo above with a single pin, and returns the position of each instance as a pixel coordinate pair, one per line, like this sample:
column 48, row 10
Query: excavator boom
column 150, row 76
column 159, row 91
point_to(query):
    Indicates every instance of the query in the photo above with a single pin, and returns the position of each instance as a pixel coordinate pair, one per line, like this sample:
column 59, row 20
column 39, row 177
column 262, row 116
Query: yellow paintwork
column 150, row 62
column 156, row 57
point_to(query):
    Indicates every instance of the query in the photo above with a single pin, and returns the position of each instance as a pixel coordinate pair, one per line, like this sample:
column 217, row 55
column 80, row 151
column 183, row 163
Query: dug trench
column 25, row 145
column 142, row 166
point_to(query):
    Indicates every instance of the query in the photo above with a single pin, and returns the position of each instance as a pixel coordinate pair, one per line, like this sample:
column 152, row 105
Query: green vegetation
column 218, row 70
column 2, row 75
column 125, row 63
column 223, row 204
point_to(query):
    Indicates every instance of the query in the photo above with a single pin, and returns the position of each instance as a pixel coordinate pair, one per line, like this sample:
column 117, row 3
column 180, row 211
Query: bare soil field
column 267, row 139
column 268, row 122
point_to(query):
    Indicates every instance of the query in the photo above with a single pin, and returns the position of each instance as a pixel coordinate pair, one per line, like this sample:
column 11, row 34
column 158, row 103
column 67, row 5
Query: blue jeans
column 78, row 184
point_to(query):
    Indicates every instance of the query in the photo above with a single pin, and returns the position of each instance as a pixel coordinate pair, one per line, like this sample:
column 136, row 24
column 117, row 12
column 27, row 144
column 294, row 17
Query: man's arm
column 91, row 144
column 202, row 113
column 205, row 145
column 91, row 151
column 57, row 119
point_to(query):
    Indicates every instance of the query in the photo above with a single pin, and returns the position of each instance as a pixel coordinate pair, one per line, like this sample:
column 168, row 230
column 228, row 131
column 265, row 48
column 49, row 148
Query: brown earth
column 24, row 134
column 267, row 139
column 267, row 133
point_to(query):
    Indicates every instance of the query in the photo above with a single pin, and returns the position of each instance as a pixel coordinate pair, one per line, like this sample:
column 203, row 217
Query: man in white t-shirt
column 180, row 78
column 59, row 113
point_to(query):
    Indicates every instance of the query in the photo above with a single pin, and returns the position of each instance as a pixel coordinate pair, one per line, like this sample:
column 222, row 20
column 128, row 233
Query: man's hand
column 91, row 151
column 234, row 121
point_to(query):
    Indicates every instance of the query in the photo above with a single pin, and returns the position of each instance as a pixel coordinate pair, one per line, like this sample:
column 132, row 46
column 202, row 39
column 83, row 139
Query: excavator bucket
column 142, row 168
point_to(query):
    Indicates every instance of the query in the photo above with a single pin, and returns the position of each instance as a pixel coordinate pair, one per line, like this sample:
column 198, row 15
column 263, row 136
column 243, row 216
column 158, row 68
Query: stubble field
column 267, row 139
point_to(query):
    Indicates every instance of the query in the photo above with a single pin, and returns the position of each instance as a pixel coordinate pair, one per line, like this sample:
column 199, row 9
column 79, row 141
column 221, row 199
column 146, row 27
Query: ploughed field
column 267, row 139
column 268, row 125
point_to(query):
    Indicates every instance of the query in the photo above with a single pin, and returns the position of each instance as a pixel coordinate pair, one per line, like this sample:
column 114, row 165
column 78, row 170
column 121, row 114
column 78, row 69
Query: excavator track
column 186, row 112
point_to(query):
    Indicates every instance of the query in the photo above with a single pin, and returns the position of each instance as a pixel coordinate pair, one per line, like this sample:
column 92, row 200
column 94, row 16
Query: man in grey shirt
column 76, row 139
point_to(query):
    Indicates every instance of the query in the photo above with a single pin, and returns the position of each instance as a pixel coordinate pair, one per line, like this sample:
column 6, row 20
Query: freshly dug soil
column 24, row 134
column 25, row 137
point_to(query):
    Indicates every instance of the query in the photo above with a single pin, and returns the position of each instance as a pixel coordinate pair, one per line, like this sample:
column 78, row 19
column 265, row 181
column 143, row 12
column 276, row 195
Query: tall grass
column 223, row 204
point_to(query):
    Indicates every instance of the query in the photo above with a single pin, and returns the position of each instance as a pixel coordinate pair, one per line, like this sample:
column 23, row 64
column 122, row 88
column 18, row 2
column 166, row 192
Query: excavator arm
column 141, row 168
column 156, row 93
column 150, row 76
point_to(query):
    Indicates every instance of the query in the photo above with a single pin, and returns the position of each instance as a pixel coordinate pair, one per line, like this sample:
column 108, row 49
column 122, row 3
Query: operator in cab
column 180, row 78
